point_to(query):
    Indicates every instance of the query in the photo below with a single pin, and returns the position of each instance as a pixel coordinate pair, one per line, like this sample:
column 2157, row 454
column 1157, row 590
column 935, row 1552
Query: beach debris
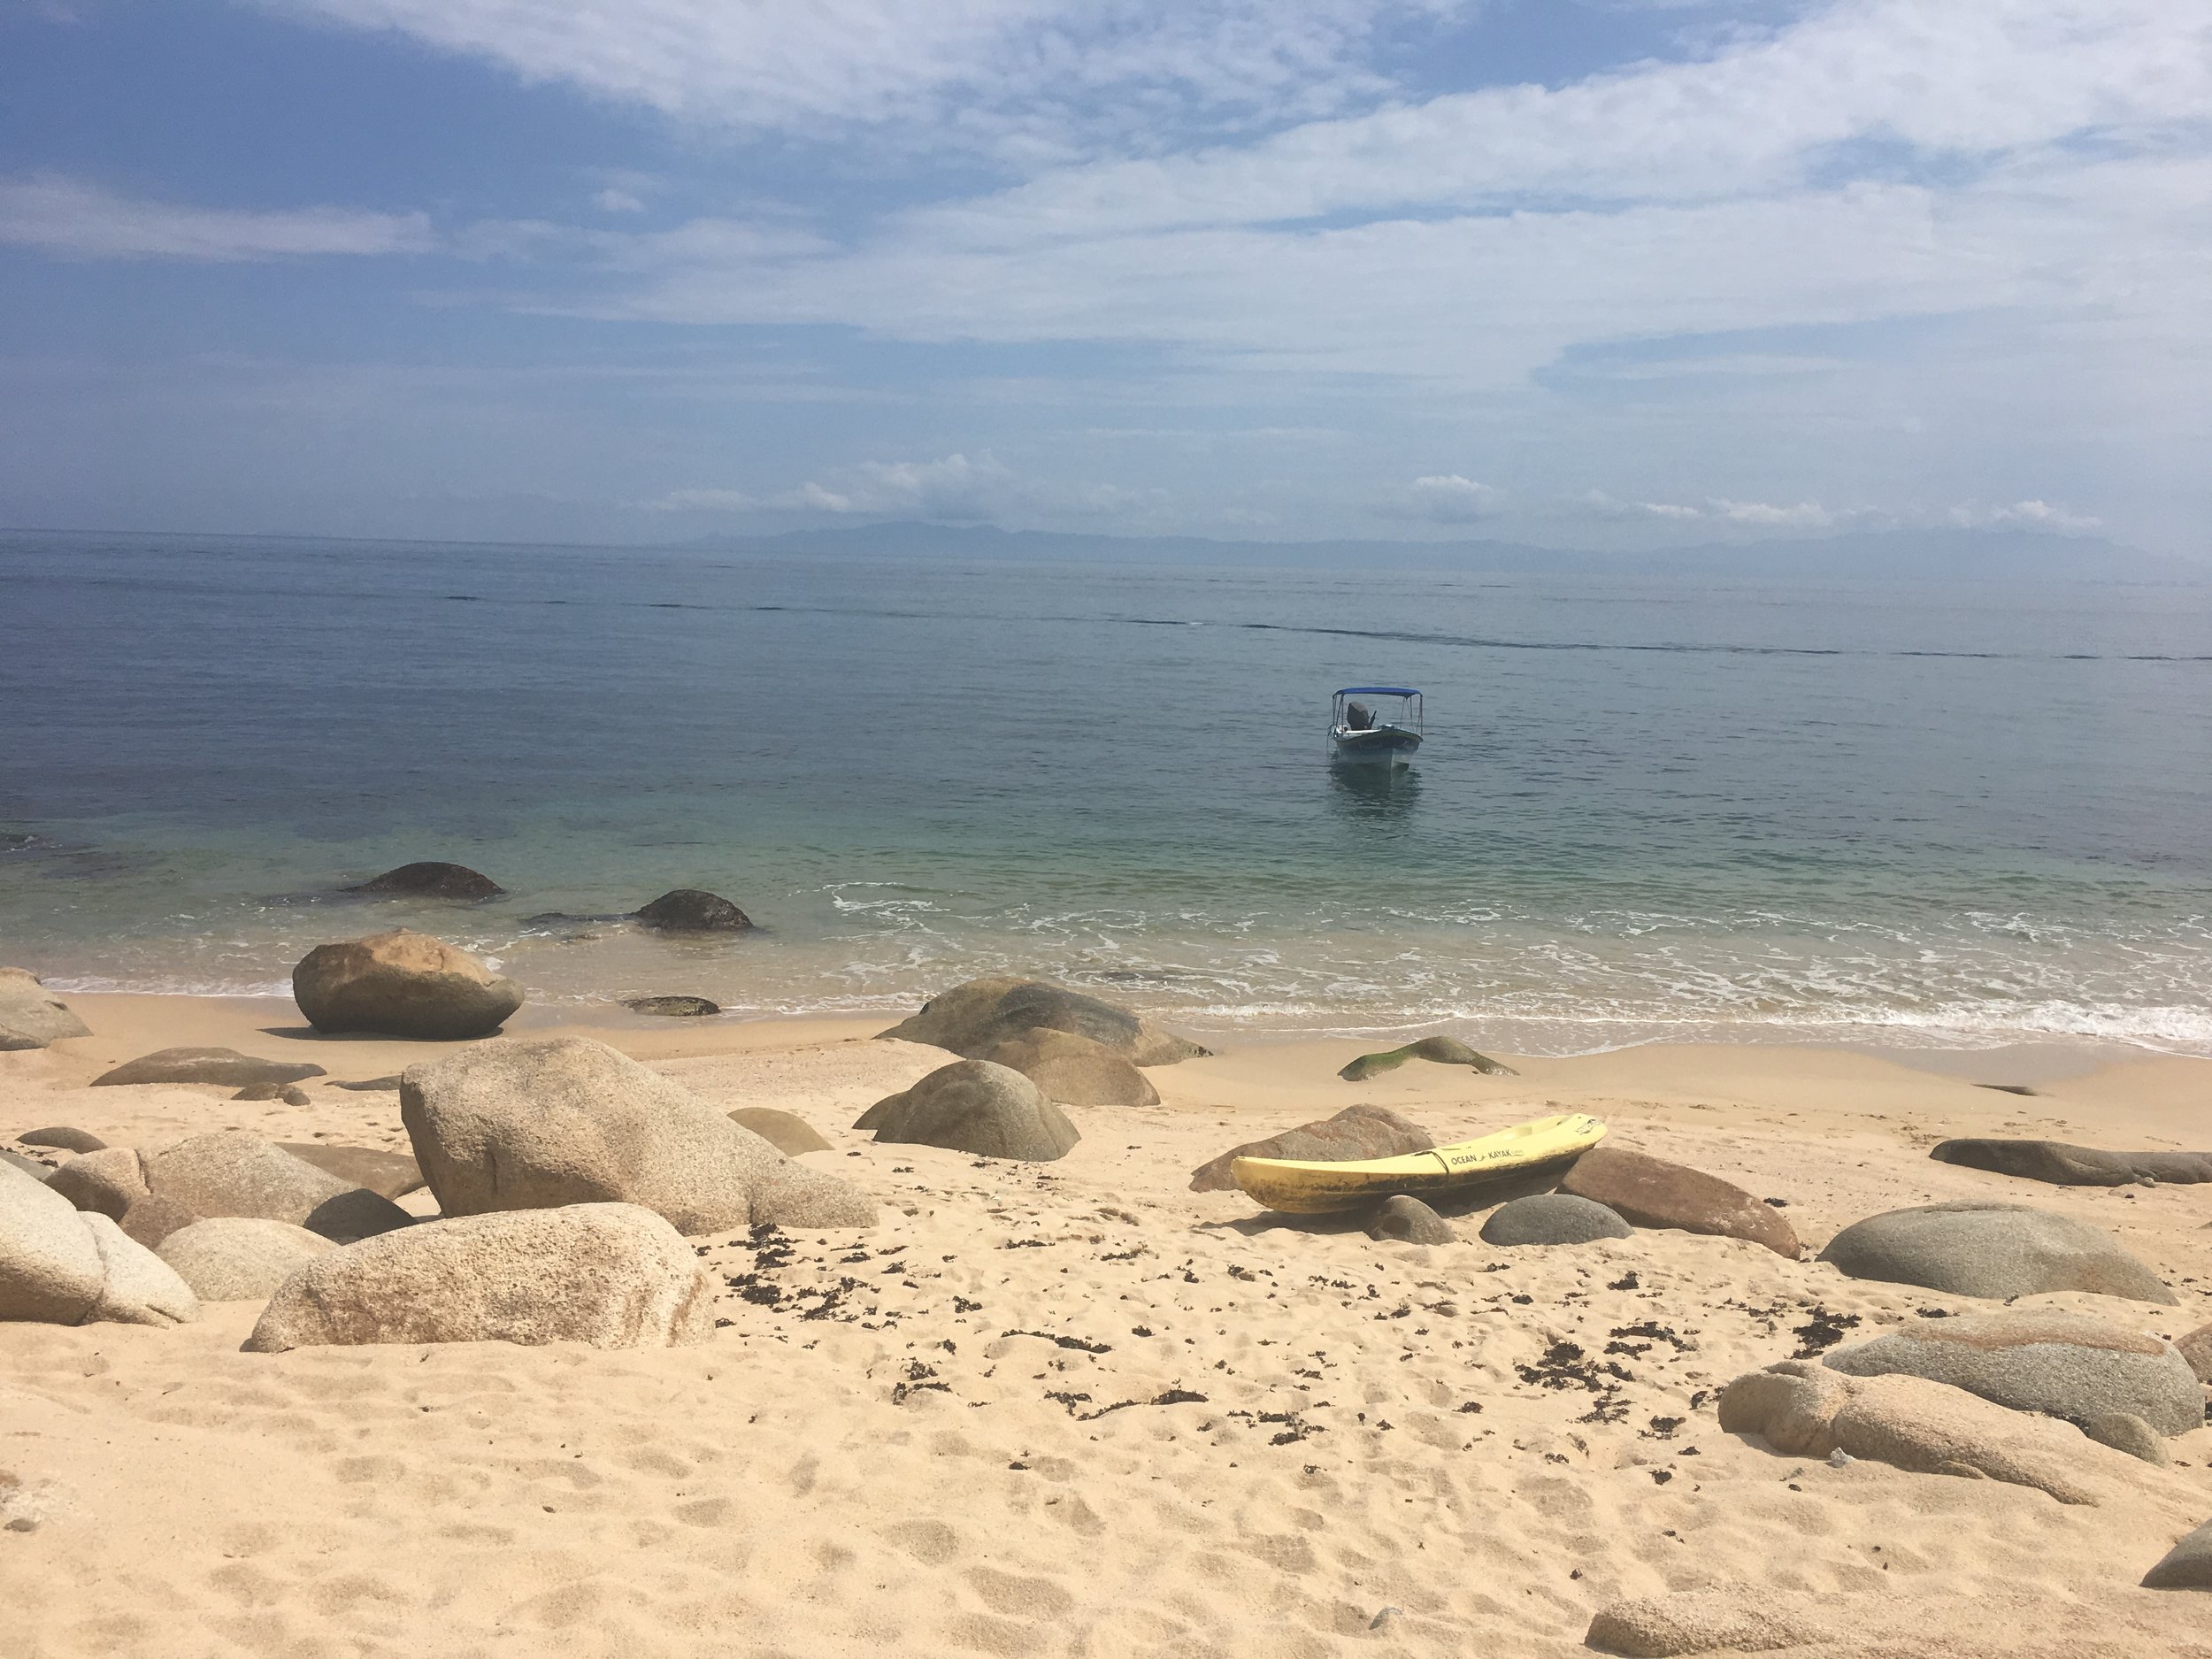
column 32, row 1017
column 2196, row 1348
column 153, row 1219
column 2186, row 1566
column 787, row 1132
column 2068, row 1365
column 431, row 880
column 240, row 1259
column 225, row 1067
column 389, row 1174
column 1443, row 1050
column 1353, row 1135
column 61, row 1138
column 1977, row 1248
column 290, row 1094
column 673, row 1007
column 2056, row 1163
column 1553, row 1219
column 567, row 1120
column 974, row 1018
column 607, row 1275
column 402, row 984
column 59, row 1265
column 1408, row 1220
column 1751, row 1619
column 693, row 910
column 1650, row 1192
column 107, row 1182
column 977, row 1107
column 1074, row 1069
column 231, row 1172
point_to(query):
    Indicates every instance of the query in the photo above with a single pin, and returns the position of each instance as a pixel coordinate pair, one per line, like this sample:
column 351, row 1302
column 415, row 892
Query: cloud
column 1447, row 498
column 957, row 488
column 2035, row 515
column 80, row 220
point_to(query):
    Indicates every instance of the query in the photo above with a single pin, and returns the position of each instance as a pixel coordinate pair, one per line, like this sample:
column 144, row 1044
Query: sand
column 1075, row 1409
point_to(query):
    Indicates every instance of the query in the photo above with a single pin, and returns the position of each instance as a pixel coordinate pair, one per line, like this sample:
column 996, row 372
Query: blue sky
column 1597, row 273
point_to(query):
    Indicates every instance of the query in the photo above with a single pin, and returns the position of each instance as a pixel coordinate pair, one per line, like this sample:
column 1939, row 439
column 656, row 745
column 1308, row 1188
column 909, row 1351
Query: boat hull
column 1380, row 746
column 1304, row 1188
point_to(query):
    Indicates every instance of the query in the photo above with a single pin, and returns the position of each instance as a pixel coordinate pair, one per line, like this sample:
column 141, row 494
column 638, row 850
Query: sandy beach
column 1073, row 1408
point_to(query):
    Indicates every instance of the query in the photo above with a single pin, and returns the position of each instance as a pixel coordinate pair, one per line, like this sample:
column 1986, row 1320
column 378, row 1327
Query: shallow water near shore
column 1942, row 816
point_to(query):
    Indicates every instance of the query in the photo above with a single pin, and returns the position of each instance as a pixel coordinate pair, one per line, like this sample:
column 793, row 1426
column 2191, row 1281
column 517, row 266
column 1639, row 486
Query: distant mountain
column 1886, row 556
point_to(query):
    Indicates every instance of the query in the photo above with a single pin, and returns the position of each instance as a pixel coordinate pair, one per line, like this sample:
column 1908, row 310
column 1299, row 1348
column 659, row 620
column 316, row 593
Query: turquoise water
column 1950, row 814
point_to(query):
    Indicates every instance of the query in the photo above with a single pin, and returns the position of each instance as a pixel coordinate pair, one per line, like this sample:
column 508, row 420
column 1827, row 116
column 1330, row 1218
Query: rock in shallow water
column 432, row 880
column 1553, row 1219
column 1980, row 1249
column 1650, row 1192
column 972, row 1018
column 673, row 1007
column 1353, row 1135
column 402, row 984
column 32, row 1017
column 694, row 910
column 974, row 1106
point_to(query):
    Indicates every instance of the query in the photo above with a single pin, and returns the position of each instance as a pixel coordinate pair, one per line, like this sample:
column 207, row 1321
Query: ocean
column 1890, row 812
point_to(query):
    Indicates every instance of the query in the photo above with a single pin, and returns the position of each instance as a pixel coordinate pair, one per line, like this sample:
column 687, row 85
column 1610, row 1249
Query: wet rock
column 240, row 1259
column 565, row 1120
column 225, row 1067
column 673, row 1007
column 973, row 1018
column 431, row 880
column 2062, row 1165
column 1650, row 1192
column 1443, row 1050
column 789, row 1135
column 234, row 1173
column 386, row 1174
column 290, row 1094
column 974, row 1106
column 611, row 1276
column 1409, row 1221
column 1553, row 1219
column 61, row 1139
column 32, row 1017
column 2186, row 1566
column 1075, row 1071
column 108, row 1181
column 1355, row 1134
column 2066, row 1366
column 1981, row 1248
column 402, row 984
column 694, row 910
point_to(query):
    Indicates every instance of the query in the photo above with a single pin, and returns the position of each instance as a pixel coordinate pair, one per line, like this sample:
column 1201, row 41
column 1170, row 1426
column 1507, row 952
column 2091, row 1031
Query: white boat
column 1360, row 734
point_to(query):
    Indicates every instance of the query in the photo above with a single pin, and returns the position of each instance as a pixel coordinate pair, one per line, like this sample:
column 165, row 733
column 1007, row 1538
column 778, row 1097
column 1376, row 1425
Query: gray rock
column 61, row 1139
column 108, row 1181
column 402, row 984
column 1980, row 1249
column 974, row 1106
column 31, row 1167
column 1440, row 1050
column 2196, row 1348
column 673, row 1007
column 31, row 1015
column 2066, row 1366
column 1355, row 1134
column 224, row 1066
column 973, row 1018
column 694, row 910
column 290, row 1094
column 1409, row 1221
column 386, row 1174
column 2063, row 1165
column 1074, row 1069
column 565, row 1120
column 136, row 1286
column 2124, row 1431
column 609, row 1275
column 234, row 1173
column 2186, row 1566
column 1648, row 1192
column 153, row 1219
column 431, row 880
column 51, row 1270
column 240, row 1259
column 1553, row 1219
column 788, row 1133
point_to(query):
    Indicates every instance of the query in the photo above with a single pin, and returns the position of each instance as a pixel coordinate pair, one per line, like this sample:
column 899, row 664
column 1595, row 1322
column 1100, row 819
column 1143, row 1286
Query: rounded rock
column 240, row 1259
column 1553, row 1219
column 402, row 984
column 1979, row 1249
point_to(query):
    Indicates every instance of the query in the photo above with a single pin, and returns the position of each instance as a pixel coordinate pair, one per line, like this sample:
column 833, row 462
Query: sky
column 1605, row 273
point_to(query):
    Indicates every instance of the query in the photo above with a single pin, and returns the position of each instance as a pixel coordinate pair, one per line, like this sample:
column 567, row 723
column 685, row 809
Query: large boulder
column 2186, row 1566
column 1074, row 1070
column 402, row 984
column 609, row 1275
column 787, row 1132
column 108, row 1181
column 233, row 1173
column 1976, row 1248
column 1651, row 1192
column 225, row 1067
column 1440, row 1050
column 240, row 1259
column 2066, row 1366
column 60, row 1266
column 386, row 1174
column 2063, row 1165
column 31, row 1015
column 1405, row 1220
column 432, row 880
column 974, row 1106
column 1553, row 1219
column 973, row 1018
column 1355, row 1134
column 565, row 1120
column 694, row 910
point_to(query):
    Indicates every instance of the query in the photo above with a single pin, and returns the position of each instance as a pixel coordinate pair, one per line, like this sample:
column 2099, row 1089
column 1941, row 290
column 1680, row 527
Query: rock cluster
column 974, row 1106
column 233, row 1173
column 59, row 1265
column 402, row 984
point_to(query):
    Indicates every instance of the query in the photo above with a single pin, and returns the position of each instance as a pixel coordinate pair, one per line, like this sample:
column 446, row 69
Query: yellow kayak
column 1308, row 1188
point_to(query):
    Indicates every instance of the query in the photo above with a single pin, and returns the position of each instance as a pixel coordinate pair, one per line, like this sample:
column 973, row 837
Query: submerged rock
column 974, row 1106
column 32, row 1017
column 973, row 1018
column 1651, row 1192
column 694, row 910
column 1980, row 1249
column 431, row 880
column 1443, row 1050
column 1355, row 1134
column 224, row 1067
column 402, row 984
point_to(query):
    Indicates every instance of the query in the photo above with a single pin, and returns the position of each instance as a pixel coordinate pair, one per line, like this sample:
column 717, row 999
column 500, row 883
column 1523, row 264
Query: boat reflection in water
column 1373, row 794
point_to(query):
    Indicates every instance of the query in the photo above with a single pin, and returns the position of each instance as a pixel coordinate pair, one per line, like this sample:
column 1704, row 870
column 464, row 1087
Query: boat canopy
column 1378, row 691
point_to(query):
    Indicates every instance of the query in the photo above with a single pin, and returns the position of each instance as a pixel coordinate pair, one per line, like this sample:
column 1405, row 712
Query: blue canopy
column 1378, row 691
